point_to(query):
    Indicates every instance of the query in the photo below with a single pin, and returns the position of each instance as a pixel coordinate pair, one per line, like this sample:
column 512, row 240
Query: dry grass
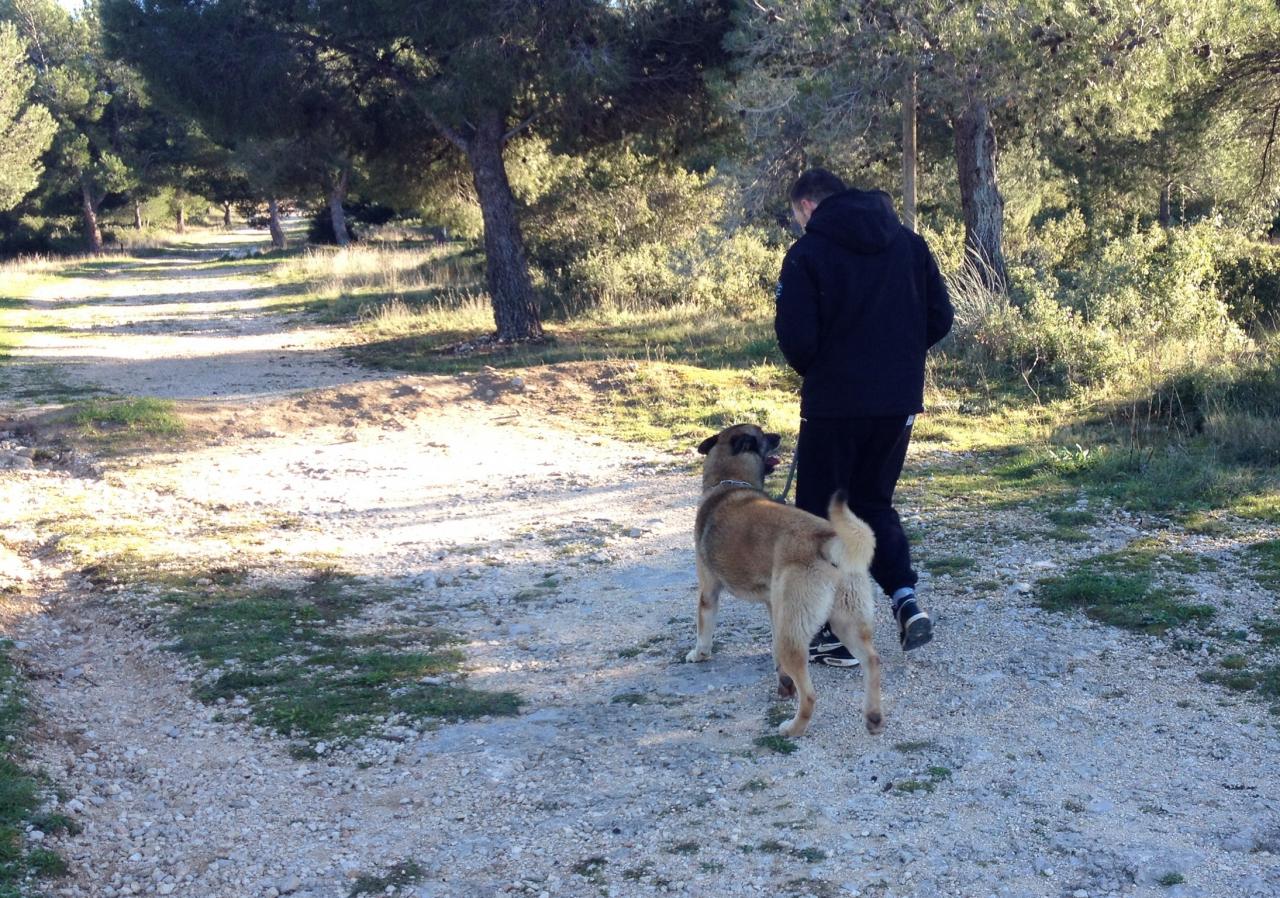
column 453, row 313
column 334, row 271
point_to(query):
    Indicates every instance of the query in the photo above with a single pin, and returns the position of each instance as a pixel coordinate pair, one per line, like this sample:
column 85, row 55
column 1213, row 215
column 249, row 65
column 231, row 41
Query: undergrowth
column 22, row 864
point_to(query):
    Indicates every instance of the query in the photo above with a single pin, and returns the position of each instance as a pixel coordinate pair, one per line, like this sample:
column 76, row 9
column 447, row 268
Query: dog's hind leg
column 709, row 589
column 851, row 622
column 792, row 658
column 791, row 634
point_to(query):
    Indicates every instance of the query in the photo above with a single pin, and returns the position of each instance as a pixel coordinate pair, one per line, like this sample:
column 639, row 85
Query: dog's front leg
column 709, row 588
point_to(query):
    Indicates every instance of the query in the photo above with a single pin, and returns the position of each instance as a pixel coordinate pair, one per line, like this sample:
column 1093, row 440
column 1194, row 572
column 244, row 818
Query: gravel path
column 1025, row 754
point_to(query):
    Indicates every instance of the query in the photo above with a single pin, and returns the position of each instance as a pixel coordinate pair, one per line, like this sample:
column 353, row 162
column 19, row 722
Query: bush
column 1156, row 285
column 1248, row 278
column 360, row 215
column 1050, row 347
column 624, row 230
column 29, row 235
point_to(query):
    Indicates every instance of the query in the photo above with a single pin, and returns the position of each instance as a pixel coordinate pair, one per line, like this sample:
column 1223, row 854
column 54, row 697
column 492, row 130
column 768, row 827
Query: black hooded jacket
column 859, row 303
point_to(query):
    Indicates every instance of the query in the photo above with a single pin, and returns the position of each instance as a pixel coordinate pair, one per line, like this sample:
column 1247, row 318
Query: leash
column 791, row 473
column 786, row 490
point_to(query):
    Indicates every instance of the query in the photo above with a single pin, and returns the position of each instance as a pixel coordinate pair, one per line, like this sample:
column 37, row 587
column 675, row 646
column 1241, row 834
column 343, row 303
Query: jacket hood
column 859, row 220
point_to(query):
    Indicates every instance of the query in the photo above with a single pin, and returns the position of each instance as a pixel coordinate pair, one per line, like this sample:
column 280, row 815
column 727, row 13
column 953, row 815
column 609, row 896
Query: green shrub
column 619, row 229
column 1156, row 285
column 1058, row 242
column 1248, row 278
column 1047, row 345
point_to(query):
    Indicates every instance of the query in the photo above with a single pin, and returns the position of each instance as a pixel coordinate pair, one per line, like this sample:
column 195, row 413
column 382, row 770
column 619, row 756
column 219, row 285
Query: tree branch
column 386, row 67
column 521, row 127
column 1269, row 147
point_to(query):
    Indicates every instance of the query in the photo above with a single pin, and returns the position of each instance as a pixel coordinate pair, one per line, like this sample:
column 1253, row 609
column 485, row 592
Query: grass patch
column 1236, row 681
column 777, row 743
column 1269, row 630
column 1071, row 517
column 153, row 417
column 1235, row 673
column 1122, row 589
column 21, row 794
column 1171, row 879
column 591, row 869
column 936, row 774
column 949, row 564
column 914, row 746
column 648, row 646
column 405, row 873
column 1264, row 560
column 809, row 855
column 285, row 649
column 630, row 698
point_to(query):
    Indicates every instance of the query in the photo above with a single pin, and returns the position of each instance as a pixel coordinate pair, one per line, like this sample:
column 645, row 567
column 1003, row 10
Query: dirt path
column 176, row 327
column 1026, row 754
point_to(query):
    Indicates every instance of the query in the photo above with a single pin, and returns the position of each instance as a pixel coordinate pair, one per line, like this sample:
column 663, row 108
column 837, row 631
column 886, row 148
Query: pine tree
column 26, row 129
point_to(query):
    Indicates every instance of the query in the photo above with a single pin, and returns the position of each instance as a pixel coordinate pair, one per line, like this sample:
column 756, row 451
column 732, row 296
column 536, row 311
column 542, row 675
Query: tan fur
column 806, row 570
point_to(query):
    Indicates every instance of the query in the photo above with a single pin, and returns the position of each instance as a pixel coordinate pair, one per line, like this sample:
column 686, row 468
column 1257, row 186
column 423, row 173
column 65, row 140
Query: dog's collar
column 735, row 483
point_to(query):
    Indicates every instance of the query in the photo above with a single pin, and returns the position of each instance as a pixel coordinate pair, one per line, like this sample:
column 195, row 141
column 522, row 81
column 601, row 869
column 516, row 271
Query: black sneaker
column 914, row 626
column 826, row 649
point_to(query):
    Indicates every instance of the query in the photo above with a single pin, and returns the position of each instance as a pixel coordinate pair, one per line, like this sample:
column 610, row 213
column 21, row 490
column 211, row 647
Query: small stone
column 288, row 885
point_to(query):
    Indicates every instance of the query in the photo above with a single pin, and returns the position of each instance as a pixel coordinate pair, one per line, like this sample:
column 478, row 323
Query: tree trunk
column 909, row 99
column 226, row 216
column 980, row 195
column 273, row 224
column 1165, row 216
column 180, row 218
column 336, row 214
column 92, row 234
column 515, row 308
column 137, row 215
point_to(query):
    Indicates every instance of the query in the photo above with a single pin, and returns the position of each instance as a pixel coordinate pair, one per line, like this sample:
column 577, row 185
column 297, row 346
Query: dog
column 806, row 570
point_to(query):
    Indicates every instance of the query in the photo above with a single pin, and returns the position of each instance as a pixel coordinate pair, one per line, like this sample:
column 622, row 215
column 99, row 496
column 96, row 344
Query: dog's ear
column 705, row 446
column 771, row 442
column 744, row 442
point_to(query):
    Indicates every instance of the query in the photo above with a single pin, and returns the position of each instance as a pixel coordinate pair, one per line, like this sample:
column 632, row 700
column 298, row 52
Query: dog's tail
column 858, row 542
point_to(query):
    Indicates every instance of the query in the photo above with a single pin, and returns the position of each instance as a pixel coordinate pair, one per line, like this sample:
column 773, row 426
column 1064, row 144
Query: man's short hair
column 816, row 184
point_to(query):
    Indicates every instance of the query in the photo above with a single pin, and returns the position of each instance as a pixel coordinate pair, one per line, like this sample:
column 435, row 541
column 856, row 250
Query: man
column 859, row 303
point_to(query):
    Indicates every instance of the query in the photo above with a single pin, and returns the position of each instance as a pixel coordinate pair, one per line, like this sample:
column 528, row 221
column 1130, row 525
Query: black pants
column 862, row 456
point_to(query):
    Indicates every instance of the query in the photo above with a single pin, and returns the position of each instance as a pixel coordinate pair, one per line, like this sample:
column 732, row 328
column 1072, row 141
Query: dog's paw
column 697, row 655
column 791, row 728
column 875, row 723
